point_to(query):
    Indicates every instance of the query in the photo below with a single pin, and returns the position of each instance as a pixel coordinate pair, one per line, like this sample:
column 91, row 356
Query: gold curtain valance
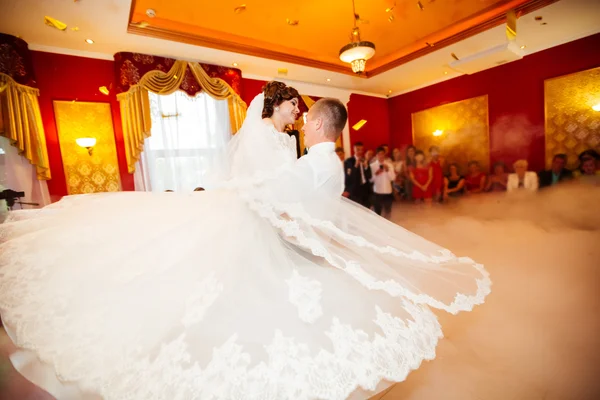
column 135, row 105
column 21, row 123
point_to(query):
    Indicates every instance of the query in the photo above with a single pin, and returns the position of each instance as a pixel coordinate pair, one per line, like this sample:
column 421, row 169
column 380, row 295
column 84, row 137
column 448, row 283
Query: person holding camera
column 382, row 176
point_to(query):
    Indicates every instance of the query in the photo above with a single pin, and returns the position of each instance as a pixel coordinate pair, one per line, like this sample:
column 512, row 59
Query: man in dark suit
column 358, row 177
column 557, row 173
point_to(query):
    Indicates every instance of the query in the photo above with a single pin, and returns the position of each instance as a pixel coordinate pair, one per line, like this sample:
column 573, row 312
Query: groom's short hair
column 334, row 115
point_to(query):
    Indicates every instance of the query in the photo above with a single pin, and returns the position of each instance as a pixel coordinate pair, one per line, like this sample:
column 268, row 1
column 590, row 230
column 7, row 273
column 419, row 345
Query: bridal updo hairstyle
column 276, row 93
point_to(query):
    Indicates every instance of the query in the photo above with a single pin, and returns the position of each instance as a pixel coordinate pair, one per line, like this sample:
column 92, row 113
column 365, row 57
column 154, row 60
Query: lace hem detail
column 291, row 371
column 291, row 228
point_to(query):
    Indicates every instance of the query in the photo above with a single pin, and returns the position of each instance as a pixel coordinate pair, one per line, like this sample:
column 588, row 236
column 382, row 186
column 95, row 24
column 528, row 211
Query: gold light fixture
column 438, row 132
column 357, row 52
column 87, row 143
column 240, row 9
column 359, row 124
column 104, row 90
column 54, row 23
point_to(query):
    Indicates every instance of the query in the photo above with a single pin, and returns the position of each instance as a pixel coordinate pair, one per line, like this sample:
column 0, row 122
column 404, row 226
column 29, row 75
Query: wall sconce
column 104, row 90
column 87, row 143
column 438, row 132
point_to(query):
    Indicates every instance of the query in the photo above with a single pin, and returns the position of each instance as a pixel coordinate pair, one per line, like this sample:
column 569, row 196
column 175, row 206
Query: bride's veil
column 246, row 152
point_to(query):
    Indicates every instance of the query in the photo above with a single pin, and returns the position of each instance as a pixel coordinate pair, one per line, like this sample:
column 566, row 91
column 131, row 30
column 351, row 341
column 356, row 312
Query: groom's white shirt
column 324, row 166
column 313, row 181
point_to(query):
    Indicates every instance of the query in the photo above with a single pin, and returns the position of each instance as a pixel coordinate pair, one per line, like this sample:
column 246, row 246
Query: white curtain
column 18, row 174
column 189, row 134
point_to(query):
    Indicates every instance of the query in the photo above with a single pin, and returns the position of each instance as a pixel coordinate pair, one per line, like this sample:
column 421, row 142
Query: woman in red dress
column 421, row 176
column 475, row 179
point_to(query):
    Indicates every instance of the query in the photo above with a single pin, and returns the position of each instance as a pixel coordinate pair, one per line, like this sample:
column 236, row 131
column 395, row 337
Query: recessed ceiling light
column 390, row 91
column 596, row 107
column 522, row 47
column 292, row 22
column 150, row 13
column 328, row 80
column 240, row 9
column 235, row 64
column 445, row 72
column 89, row 41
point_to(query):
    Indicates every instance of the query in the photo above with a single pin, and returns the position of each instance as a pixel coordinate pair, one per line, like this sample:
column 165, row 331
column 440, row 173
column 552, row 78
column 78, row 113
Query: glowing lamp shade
column 438, row 132
column 87, row 143
column 357, row 54
column 596, row 107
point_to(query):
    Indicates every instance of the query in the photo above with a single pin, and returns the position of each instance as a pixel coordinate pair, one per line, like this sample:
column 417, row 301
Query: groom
column 318, row 176
column 325, row 122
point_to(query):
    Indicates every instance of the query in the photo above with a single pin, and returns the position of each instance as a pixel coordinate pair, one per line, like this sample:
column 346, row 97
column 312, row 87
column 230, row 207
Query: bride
column 257, row 289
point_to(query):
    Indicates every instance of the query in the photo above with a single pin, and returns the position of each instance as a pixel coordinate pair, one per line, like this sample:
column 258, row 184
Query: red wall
column 515, row 97
column 251, row 88
column 62, row 77
column 375, row 110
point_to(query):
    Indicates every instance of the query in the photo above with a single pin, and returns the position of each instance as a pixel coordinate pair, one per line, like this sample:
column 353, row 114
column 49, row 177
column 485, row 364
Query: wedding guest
column 454, row 183
column 421, row 176
column 382, row 176
column 522, row 179
column 340, row 153
column 409, row 164
column 436, row 163
column 497, row 180
column 358, row 176
column 398, row 164
column 557, row 173
column 475, row 179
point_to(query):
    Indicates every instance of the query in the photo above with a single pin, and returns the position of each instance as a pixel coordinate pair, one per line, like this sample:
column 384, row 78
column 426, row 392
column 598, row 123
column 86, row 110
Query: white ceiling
column 105, row 21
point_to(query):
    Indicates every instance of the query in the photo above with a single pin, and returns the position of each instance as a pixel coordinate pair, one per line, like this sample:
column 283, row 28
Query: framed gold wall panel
column 86, row 173
column 465, row 127
column 572, row 126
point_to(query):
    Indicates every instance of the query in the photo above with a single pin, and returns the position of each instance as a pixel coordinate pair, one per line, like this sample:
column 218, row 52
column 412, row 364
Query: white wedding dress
column 262, row 288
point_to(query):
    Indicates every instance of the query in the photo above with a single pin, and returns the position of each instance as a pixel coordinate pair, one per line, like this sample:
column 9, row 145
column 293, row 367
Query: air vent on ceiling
column 501, row 54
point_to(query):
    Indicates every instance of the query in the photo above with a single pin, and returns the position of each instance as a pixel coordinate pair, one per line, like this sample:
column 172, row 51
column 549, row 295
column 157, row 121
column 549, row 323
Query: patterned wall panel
column 86, row 173
column 465, row 131
column 572, row 126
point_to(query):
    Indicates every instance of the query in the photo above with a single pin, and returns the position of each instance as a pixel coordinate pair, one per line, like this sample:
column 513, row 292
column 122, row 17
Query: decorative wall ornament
column 84, row 172
column 571, row 124
column 460, row 129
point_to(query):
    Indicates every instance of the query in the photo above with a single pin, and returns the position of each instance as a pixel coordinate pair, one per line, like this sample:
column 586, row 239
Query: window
column 188, row 137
